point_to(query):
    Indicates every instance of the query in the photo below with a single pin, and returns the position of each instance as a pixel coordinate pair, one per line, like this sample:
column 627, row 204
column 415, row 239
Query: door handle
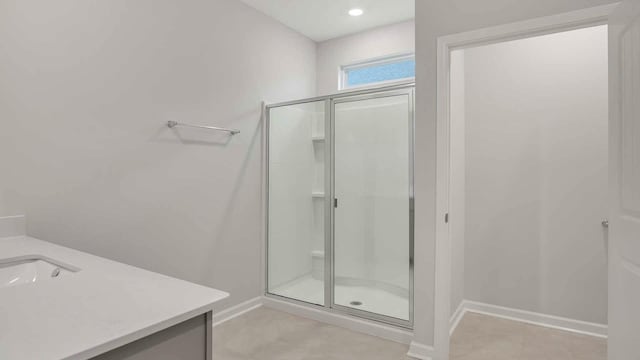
column 605, row 223
column 335, row 202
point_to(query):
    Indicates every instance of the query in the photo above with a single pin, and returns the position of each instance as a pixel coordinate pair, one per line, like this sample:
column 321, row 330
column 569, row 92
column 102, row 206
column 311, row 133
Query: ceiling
column 327, row 19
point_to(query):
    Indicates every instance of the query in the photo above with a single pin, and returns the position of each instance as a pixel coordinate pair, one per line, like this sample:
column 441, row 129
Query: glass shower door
column 372, row 215
column 296, row 201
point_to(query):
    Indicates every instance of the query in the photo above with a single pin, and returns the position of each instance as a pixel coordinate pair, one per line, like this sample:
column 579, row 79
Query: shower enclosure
column 340, row 203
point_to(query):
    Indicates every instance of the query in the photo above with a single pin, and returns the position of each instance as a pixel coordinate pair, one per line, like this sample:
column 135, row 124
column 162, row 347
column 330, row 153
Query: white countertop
column 103, row 306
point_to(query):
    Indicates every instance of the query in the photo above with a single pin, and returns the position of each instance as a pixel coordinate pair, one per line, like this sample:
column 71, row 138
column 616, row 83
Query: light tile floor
column 481, row 337
column 265, row 334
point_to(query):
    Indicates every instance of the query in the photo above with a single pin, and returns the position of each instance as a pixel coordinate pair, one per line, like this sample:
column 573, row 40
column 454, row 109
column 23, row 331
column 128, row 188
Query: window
column 378, row 71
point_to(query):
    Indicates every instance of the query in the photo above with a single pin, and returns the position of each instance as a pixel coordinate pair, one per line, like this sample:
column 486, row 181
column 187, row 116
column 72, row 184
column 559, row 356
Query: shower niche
column 340, row 203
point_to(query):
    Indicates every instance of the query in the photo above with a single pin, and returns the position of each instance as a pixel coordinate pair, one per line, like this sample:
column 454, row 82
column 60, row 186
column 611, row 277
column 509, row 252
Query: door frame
column 399, row 88
column 445, row 45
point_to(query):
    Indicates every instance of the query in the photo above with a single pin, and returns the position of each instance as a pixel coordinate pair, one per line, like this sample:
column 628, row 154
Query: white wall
column 536, row 155
column 3, row 212
column 433, row 19
column 386, row 40
column 85, row 91
column 457, row 200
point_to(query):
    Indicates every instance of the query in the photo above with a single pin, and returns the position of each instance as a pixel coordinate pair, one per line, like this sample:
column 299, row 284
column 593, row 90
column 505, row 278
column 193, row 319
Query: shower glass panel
column 296, row 201
column 372, row 137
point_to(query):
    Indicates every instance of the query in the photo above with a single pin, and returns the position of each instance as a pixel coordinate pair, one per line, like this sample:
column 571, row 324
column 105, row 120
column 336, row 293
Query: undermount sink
column 31, row 269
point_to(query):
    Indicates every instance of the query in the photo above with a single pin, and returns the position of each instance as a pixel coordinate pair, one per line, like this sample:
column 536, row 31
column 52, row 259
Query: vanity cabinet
column 189, row 340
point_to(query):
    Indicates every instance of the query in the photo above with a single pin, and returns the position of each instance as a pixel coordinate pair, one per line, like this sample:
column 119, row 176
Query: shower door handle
column 335, row 202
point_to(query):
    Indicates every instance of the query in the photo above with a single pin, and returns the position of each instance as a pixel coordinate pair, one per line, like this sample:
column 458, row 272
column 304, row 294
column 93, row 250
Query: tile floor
column 266, row 334
column 481, row 337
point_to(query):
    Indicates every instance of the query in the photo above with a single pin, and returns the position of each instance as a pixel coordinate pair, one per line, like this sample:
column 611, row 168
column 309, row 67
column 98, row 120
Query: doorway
column 528, row 187
column 512, row 143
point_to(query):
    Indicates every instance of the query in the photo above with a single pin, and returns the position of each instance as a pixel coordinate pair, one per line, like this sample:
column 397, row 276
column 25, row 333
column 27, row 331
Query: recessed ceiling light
column 356, row 12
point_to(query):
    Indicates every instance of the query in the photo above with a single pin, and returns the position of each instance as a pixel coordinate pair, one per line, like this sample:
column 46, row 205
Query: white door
column 624, row 177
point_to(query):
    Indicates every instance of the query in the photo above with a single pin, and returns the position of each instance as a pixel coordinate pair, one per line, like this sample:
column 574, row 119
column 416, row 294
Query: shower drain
column 356, row 303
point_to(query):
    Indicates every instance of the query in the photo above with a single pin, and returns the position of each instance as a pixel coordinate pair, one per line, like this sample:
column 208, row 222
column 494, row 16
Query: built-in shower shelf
column 317, row 194
column 317, row 138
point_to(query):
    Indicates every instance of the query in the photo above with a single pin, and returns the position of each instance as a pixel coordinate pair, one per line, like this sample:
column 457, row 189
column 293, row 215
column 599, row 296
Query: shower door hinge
column 446, row 218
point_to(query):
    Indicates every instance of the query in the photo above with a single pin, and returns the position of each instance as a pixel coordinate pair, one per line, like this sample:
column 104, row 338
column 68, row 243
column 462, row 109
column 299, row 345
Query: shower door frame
column 401, row 88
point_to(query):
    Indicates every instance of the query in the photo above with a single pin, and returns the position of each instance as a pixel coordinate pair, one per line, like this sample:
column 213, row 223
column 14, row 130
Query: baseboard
column 550, row 321
column 456, row 317
column 348, row 322
column 421, row 351
column 237, row 310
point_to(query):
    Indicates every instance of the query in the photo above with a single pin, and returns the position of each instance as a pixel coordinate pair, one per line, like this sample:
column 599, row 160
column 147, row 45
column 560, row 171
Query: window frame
column 343, row 83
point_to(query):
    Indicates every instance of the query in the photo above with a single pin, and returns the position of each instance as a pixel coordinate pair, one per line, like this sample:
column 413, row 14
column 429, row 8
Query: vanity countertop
column 101, row 307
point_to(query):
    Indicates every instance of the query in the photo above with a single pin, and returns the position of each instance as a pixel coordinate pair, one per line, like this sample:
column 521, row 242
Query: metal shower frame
column 404, row 88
